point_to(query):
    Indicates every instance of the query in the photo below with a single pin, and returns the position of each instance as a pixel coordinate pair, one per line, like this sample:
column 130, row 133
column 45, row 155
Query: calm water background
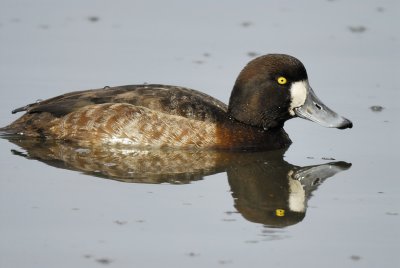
column 58, row 218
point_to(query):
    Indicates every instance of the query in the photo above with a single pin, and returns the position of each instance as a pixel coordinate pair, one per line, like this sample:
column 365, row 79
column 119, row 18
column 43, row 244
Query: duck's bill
column 315, row 110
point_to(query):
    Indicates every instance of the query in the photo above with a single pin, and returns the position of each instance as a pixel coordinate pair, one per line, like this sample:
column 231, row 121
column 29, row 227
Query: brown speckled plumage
column 121, row 123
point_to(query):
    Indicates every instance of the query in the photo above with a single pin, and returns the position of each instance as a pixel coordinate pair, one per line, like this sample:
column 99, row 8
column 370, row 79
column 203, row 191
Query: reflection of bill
column 266, row 189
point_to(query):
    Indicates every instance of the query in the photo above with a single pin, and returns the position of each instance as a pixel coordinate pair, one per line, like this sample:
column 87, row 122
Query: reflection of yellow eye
column 280, row 212
column 281, row 80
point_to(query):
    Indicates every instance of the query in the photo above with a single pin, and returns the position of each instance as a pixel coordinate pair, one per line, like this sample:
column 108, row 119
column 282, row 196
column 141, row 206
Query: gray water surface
column 61, row 206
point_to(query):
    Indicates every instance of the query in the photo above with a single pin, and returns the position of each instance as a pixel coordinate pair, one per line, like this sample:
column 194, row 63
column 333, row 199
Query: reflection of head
column 262, row 193
column 274, row 192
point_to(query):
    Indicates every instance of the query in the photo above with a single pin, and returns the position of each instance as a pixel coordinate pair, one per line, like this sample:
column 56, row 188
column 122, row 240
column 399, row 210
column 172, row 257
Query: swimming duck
column 268, row 91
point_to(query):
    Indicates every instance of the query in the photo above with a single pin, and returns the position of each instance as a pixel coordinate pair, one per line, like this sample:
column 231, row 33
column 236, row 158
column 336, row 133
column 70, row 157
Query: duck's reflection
column 274, row 192
column 266, row 189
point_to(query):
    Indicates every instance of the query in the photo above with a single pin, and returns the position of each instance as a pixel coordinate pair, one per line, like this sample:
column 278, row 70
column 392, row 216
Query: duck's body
column 170, row 116
column 143, row 115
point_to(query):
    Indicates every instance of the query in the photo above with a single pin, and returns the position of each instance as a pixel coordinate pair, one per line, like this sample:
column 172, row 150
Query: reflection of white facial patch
column 298, row 94
column 297, row 196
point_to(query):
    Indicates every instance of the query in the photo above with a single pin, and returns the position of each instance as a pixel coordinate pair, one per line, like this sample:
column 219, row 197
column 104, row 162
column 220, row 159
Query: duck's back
column 172, row 100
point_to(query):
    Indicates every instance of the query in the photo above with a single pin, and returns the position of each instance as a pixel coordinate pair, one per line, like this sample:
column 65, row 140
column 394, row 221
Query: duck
column 269, row 90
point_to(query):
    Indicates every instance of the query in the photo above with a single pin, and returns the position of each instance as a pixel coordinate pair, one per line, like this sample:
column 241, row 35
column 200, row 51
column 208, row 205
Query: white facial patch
column 298, row 95
column 297, row 196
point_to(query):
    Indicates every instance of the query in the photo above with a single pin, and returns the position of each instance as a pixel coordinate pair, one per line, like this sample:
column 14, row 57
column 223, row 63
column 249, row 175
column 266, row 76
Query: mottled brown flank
column 132, row 125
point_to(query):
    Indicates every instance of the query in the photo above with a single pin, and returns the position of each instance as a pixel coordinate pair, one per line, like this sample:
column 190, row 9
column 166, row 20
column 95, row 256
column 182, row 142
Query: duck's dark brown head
column 274, row 88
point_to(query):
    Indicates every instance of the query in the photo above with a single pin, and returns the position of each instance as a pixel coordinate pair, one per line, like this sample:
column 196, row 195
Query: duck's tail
column 10, row 130
column 28, row 124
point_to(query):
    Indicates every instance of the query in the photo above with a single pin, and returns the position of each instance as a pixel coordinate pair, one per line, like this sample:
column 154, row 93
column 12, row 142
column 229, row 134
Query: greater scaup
column 268, row 91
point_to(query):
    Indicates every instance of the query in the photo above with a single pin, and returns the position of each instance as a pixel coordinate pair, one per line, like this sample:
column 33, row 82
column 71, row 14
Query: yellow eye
column 281, row 80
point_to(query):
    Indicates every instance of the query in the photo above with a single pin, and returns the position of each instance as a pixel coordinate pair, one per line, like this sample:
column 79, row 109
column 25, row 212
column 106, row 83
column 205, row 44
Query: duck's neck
column 236, row 135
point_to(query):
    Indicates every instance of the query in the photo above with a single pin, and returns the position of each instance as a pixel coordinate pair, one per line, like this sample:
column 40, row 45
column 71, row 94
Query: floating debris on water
column 376, row 108
column 246, row 24
column 231, row 212
column 222, row 262
column 357, row 29
column 355, row 257
column 252, row 54
column 93, row 19
column 328, row 158
column 192, row 254
column 120, row 222
column 392, row 213
column 104, row 261
column 251, row 241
